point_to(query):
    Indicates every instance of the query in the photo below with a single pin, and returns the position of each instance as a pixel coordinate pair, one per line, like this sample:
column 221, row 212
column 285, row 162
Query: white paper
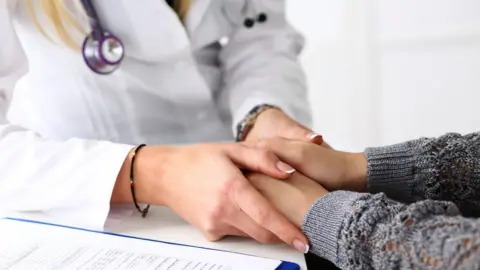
column 25, row 245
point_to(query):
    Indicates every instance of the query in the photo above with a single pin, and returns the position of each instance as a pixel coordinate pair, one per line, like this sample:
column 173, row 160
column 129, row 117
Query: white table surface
column 164, row 225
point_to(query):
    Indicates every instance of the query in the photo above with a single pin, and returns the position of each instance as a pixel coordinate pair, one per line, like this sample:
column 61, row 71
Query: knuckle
column 211, row 230
column 265, row 155
column 243, row 189
column 215, row 214
column 211, row 236
column 227, row 185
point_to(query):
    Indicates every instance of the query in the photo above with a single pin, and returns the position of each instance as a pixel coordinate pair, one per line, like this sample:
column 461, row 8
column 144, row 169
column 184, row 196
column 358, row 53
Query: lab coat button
column 249, row 23
column 262, row 17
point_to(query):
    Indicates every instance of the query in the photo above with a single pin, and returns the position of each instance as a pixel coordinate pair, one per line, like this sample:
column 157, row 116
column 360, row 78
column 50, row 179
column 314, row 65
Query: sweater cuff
column 391, row 171
column 324, row 220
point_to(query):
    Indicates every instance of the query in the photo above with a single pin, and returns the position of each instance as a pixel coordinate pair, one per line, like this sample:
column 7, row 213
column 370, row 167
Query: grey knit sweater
column 412, row 216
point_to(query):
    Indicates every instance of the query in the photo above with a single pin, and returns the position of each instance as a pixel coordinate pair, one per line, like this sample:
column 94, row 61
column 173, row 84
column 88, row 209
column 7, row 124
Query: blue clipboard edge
column 283, row 266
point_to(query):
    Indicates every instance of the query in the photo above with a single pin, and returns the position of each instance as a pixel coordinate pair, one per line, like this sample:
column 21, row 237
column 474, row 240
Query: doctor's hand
column 274, row 123
column 205, row 185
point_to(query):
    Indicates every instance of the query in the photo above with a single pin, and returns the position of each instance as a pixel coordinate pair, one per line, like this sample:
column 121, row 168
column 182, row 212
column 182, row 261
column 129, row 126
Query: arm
column 363, row 231
column 445, row 168
column 260, row 67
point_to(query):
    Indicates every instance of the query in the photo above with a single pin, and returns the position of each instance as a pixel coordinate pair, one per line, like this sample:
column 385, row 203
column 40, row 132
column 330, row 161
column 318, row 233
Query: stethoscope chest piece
column 103, row 55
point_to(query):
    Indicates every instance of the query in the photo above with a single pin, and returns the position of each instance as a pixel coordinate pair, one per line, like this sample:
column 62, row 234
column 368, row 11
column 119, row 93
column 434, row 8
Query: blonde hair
column 63, row 20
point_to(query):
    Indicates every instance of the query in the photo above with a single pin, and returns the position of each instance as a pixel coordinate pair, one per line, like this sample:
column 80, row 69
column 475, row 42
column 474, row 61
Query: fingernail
column 284, row 167
column 301, row 246
column 313, row 136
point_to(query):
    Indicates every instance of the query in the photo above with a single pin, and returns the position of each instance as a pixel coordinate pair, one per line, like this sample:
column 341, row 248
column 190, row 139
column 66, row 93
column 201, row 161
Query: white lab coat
column 176, row 85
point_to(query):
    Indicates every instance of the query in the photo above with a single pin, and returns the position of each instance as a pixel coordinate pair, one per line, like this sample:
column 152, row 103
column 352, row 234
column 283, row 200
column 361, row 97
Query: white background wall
column 382, row 71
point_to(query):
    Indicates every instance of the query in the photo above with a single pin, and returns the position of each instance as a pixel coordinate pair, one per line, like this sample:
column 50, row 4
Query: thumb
column 305, row 134
column 310, row 136
column 298, row 131
column 314, row 138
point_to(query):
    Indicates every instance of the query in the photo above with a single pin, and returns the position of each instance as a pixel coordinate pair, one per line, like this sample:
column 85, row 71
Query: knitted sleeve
column 365, row 231
column 445, row 168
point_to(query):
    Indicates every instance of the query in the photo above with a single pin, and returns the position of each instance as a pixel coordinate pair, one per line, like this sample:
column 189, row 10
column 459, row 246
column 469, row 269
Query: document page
column 25, row 245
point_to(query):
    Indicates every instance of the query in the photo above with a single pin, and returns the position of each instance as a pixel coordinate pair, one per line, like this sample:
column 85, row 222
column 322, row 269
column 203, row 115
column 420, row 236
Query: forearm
column 444, row 168
column 363, row 231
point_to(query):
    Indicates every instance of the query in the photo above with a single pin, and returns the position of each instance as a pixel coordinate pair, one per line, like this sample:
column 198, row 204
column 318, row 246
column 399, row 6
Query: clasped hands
column 318, row 168
column 287, row 171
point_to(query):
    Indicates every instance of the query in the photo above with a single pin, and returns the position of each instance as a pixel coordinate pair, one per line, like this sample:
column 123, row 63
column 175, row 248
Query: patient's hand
column 335, row 170
column 292, row 197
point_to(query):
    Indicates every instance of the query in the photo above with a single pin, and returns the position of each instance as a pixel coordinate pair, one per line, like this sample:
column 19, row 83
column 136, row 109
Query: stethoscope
column 103, row 52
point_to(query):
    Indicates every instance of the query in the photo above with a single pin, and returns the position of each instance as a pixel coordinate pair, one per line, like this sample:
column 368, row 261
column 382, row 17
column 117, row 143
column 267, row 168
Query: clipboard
column 285, row 265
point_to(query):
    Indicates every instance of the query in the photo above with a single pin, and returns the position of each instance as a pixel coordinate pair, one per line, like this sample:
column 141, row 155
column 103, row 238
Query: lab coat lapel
column 196, row 13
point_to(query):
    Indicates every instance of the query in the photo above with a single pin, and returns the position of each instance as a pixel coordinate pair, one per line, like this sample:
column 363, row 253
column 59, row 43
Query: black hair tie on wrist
column 144, row 211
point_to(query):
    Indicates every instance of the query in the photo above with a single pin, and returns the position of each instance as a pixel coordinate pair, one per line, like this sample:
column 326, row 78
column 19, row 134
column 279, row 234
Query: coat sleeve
column 260, row 66
column 70, row 182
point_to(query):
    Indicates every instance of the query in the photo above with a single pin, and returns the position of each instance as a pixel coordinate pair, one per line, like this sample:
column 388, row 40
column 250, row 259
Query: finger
column 259, row 160
column 318, row 140
column 213, row 237
column 246, row 225
column 232, row 231
column 326, row 145
column 315, row 138
column 303, row 133
column 305, row 157
column 297, row 131
column 252, row 203
column 226, row 230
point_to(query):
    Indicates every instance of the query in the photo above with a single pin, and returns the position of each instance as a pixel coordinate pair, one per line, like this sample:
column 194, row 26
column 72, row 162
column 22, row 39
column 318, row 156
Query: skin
column 274, row 123
column 299, row 189
column 334, row 170
column 318, row 170
column 213, row 194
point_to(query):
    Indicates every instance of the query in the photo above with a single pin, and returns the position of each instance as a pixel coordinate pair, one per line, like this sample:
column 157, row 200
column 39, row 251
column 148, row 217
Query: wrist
column 149, row 171
column 245, row 127
column 357, row 171
column 305, row 206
